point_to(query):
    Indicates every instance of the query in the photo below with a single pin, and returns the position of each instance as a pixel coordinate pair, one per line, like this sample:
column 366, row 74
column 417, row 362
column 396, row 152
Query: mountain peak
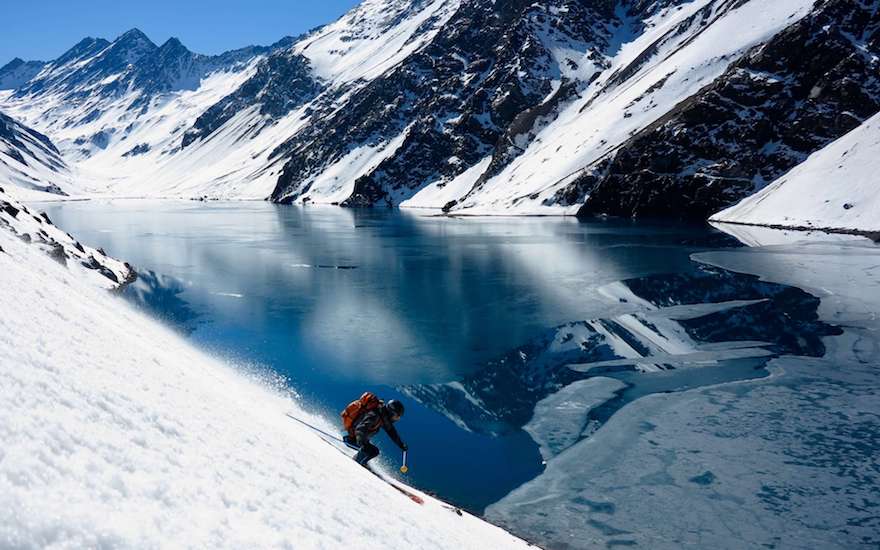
column 12, row 64
column 172, row 42
column 135, row 37
column 17, row 72
column 86, row 46
column 133, row 33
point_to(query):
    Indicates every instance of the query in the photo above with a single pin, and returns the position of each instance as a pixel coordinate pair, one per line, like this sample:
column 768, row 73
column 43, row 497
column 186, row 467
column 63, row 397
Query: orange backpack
column 367, row 402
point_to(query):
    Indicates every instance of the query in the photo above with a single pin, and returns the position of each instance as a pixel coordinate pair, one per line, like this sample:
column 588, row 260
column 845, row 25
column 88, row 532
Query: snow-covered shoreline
column 118, row 433
column 834, row 190
column 806, row 229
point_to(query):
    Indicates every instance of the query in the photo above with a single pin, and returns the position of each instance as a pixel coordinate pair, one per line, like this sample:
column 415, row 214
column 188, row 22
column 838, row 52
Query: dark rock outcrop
column 454, row 98
column 25, row 147
column 282, row 82
column 807, row 86
column 35, row 229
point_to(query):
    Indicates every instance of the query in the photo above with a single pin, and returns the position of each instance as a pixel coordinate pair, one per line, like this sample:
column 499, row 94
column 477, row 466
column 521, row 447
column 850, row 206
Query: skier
column 363, row 419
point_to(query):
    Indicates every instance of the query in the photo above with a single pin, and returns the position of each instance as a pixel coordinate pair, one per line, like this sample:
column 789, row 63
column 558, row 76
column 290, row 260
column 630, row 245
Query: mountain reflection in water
column 453, row 313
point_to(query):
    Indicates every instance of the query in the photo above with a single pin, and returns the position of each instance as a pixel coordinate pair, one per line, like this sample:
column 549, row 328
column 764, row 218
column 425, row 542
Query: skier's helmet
column 395, row 407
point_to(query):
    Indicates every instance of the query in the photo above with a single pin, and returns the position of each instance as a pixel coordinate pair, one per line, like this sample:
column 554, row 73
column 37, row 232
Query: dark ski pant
column 367, row 452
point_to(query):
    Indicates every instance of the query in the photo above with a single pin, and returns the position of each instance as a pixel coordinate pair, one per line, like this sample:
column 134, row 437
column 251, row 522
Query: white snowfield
column 373, row 37
column 836, row 188
column 117, row 433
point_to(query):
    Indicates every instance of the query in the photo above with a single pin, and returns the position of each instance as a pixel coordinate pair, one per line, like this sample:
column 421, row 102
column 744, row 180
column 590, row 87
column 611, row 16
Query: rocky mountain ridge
column 634, row 108
column 767, row 113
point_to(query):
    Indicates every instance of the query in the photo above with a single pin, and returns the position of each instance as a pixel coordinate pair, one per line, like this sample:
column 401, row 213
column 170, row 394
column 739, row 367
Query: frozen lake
column 535, row 355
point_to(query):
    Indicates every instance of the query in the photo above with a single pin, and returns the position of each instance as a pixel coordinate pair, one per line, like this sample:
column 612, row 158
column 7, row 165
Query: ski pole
column 404, row 469
column 319, row 430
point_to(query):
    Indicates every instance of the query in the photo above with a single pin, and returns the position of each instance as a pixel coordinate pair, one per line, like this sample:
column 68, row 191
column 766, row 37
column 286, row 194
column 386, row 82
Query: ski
column 334, row 442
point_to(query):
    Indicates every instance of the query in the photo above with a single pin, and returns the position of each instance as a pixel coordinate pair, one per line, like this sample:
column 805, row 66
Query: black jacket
column 368, row 425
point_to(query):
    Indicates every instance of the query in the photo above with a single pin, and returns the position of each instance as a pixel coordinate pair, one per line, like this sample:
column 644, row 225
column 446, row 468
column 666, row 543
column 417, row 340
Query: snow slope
column 30, row 162
column 836, row 188
column 37, row 229
column 118, row 433
column 373, row 37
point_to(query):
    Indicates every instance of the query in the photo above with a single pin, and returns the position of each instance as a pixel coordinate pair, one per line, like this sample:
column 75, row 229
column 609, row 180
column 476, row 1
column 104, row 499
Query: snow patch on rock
column 37, row 230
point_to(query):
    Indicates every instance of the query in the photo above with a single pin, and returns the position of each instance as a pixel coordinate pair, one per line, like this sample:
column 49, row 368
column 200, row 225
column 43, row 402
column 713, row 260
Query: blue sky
column 44, row 29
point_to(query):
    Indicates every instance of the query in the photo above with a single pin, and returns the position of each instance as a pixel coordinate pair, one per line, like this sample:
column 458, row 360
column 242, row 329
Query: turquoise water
column 338, row 301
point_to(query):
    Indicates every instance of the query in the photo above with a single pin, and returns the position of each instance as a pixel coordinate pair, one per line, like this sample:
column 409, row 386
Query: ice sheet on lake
column 787, row 461
column 561, row 418
column 680, row 322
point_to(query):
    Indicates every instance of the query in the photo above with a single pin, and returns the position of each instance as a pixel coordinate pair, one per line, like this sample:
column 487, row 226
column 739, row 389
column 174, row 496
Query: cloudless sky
column 44, row 29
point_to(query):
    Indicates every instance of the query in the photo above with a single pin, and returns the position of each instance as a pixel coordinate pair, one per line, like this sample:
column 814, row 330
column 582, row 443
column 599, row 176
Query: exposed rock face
column 453, row 99
column 14, row 136
column 282, row 82
column 783, row 100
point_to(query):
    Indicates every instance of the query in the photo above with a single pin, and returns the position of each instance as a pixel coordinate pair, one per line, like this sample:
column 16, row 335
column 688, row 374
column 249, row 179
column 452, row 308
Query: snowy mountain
column 442, row 108
column 474, row 106
column 835, row 189
column 118, row 433
column 765, row 114
column 17, row 72
column 29, row 160
column 96, row 68
column 116, row 110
